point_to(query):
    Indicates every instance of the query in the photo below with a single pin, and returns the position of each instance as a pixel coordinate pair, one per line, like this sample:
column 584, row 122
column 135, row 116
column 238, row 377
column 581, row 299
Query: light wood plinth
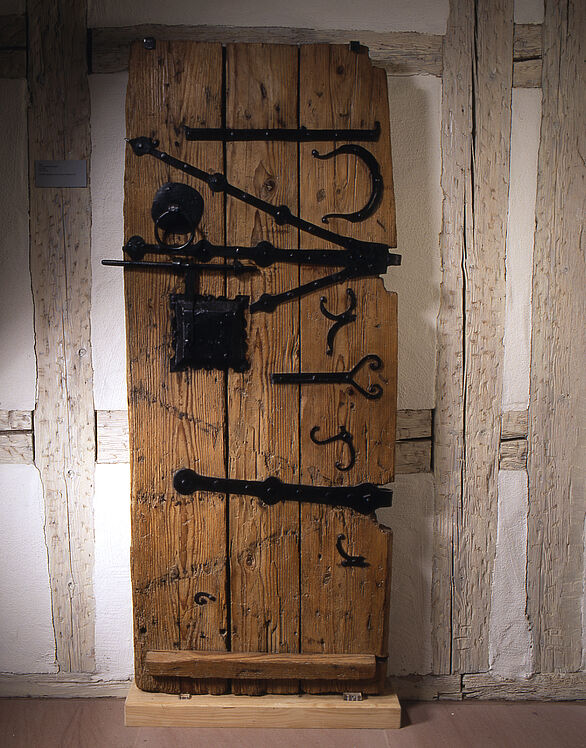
column 144, row 709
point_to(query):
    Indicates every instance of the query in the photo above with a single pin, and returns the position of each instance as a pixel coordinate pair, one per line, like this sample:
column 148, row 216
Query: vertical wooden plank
column 263, row 420
column 176, row 419
column 484, row 311
column 345, row 609
column 59, row 128
column 556, row 454
column 449, row 412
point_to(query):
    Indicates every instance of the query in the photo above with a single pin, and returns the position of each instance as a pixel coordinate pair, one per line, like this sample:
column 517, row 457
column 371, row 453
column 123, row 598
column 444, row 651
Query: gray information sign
column 68, row 173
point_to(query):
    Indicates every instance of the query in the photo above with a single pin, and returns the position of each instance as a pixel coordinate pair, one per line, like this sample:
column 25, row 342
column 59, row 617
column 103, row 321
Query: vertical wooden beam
column 556, row 477
column 449, row 412
column 59, row 128
column 478, row 63
column 484, row 313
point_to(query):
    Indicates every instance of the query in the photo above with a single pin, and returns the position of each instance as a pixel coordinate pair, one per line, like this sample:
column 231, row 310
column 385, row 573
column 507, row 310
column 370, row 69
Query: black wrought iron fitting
column 182, row 268
column 295, row 135
column 177, row 209
column 371, row 392
column 209, row 332
column 201, row 598
column 342, row 436
column 376, row 181
column 363, row 260
column 348, row 559
column 281, row 214
column 364, row 498
column 339, row 320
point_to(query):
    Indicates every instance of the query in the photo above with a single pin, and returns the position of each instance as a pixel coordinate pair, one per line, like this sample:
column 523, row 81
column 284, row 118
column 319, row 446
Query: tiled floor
column 93, row 723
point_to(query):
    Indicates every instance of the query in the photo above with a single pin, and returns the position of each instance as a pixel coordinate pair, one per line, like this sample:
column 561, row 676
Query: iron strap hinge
column 282, row 134
column 363, row 498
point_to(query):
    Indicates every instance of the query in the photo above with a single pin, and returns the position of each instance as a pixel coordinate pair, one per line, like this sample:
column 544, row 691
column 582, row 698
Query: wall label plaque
column 65, row 173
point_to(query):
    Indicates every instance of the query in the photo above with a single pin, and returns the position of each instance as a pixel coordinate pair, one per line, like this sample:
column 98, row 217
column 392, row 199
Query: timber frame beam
column 59, row 129
column 399, row 53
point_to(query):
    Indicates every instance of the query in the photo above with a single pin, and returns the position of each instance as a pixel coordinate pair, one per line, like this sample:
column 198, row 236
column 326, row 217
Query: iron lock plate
column 209, row 332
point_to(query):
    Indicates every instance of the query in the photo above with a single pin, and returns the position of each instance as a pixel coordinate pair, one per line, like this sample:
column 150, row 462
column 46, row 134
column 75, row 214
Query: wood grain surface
column 176, row 419
column 255, row 665
column 555, row 571
column 398, row 52
column 484, row 317
column 59, row 128
column 345, row 609
column 285, row 590
column 263, row 420
column 448, row 432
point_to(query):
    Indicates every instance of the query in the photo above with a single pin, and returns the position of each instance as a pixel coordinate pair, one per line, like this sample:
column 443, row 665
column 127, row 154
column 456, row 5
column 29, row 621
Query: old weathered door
column 218, row 573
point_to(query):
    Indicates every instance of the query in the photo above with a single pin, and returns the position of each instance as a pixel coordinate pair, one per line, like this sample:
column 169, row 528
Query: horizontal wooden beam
column 514, row 424
column 16, row 437
column 527, row 74
column 413, row 456
column 477, row 686
column 527, row 41
column 16, row 420
column 16, row 447
column 413, row 424
column 401, row 53
column 61, row 685
column 539, row 687
column 258, row 665
column 413, row 448
column 513, row 455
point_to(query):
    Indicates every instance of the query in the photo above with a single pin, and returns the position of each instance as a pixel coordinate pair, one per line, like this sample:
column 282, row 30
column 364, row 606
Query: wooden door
column 213, row 573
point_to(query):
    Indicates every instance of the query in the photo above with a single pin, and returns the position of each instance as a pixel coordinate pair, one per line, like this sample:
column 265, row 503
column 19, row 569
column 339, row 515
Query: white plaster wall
column 377, row 15
column 113, row 593
column 509, row 635
column 528, row 11
column 26, row 633
column 27, row 642
column 415, row 117
column 108, row 93
column 525, row 125
column 17, row 356
column 411, row 520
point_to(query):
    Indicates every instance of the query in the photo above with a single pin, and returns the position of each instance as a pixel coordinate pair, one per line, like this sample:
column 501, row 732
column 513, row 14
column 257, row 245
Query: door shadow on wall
column 415, row 117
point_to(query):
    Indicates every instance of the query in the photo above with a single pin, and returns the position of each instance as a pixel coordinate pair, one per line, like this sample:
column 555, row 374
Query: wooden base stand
column 144, row 709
